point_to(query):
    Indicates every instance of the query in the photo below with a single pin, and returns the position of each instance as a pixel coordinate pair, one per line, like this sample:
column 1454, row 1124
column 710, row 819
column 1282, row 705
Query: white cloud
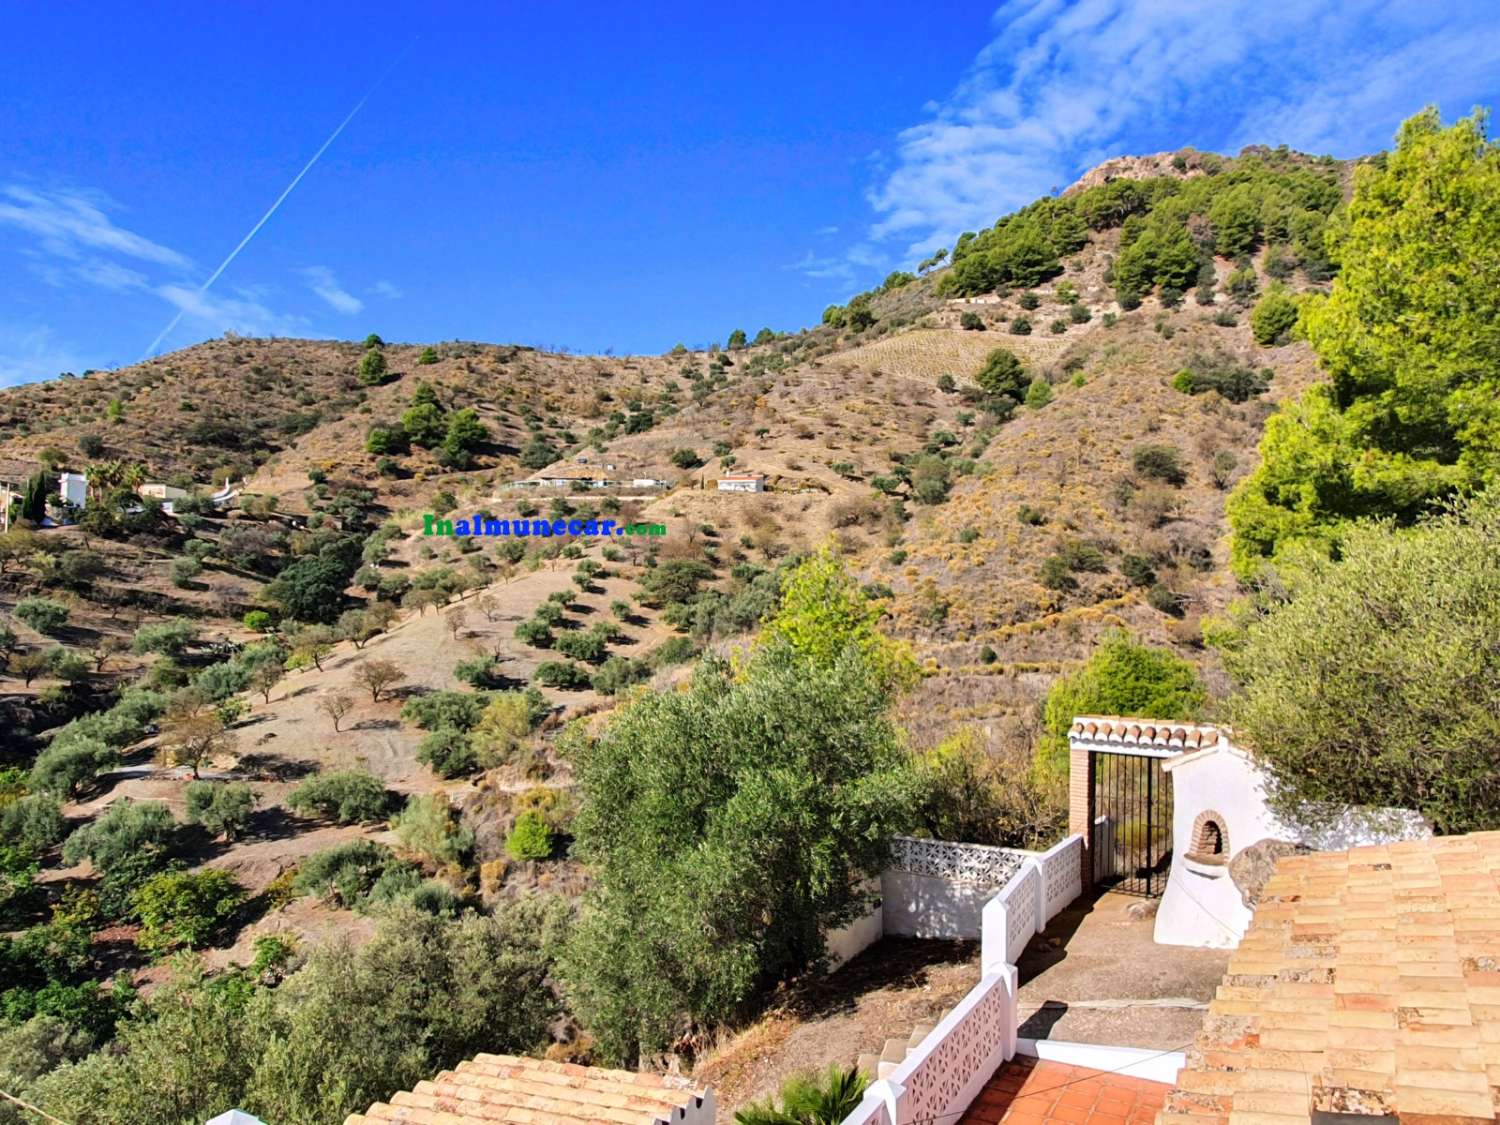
column 1065, row 85
column 386, row 290
column 32, row 352
column 245, row 312
column 321, row 281
column 68, row 222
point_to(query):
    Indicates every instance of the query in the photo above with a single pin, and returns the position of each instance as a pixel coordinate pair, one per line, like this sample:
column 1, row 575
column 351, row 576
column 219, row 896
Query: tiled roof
column 491, row 1088
column 1368, row 982
column 1156, row 733
column 1027, row 1091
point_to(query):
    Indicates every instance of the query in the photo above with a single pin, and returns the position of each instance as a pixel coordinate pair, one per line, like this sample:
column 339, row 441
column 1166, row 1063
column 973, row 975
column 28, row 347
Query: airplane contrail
column 280, row 199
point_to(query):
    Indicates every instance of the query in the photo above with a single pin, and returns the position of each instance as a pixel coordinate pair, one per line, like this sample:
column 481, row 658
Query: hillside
column 1013, row 454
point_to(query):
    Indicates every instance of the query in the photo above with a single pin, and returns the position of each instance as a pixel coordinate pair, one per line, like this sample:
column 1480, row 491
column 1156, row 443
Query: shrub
column 1002, row 374
column 1160, row 462
column 347, row 796
column 562, row 674
column 45, row 615
column 184, row 570
column 1374, row 681
column 372, row 369
column 1080, row 555
column 35, row 822
column 127, row 831
column 67, row 766
column 686, row 459
column 814, row 1097
column 971, row 322
column 1020, row 326
column 617, row 673
column 535, row 633
column 1079, row 314
column 1039, row 394
column 345, row 872
column 222, row 807
column 1138, row 570
column 1232, row 380
column 259, row 621
column 1058, row 326
column 588, row 647
column 459, row 709
column 429, row 355
column 184, row 908
column 167, row 638
column 448, row 751
column 530, row 838
column 431, row 828
column 1055, row 574
column 1273, row 318
column 1029, row 300
column 1164, row 600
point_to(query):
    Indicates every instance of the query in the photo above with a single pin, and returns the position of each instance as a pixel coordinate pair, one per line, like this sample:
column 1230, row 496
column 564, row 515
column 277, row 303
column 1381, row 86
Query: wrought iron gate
column 1132, row 831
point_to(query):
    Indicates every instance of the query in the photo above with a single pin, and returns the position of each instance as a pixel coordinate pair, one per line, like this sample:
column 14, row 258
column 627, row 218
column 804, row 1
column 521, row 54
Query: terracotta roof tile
column 1371, row 977
column 1155, row 733
column 521, row 1091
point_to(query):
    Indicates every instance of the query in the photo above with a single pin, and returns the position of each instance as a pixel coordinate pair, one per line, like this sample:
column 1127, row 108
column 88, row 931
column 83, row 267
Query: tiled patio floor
column 1027, row 1091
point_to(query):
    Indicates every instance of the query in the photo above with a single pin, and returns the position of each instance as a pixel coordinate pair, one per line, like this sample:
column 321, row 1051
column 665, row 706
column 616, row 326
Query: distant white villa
column 743, row 482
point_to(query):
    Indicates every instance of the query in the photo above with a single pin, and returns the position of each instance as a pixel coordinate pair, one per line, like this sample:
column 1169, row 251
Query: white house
column 73, row 488
column 743, row 482
column 1219, row 810
column 1177, row 810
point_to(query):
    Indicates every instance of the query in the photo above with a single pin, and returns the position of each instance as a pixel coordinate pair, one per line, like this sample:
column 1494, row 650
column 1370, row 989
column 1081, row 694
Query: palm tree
column 810, row 1099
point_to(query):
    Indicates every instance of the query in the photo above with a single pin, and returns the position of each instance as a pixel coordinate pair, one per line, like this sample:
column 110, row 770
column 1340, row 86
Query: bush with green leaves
column 458, row 709
column 34, row 822
column 1231, row 379
column 222, row 807
column 345, row 873
column 46, row 615
column 431, row 827
column 1003, row 374
column 562, row 674
column 1385, row 663
column 587, row 646
column 825, row 1098
column 1138, row 570
column 66, row 768
column 1120, row 677
column 126, row 832
column 1273, row 318
column 618, row 673
column 431, row 990
column 345, row 796
column 185, row 909
column 449, row 751
column 1160, row 462
column 165, row 638
column 530, row 838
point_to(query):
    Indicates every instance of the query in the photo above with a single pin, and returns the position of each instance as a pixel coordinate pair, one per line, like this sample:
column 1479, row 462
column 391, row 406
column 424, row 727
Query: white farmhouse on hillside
column 743, row 482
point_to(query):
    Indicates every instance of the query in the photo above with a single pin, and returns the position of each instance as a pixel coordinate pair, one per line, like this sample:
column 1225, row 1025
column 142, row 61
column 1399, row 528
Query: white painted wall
column 1201, row 905
column 74, row 489
column 930, row 906
column 854, row 938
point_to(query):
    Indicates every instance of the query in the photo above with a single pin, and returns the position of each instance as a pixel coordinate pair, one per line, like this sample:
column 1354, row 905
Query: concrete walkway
column 1096, row 976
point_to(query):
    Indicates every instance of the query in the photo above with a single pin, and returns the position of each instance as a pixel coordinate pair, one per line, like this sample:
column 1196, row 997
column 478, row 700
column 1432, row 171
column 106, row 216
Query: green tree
column 429, row 356
column 372, row 369
column 466, row 433
column 1384, row 665
column 530, row 838
column 45, row 615
column 1273, row 318
column 424, row 424
column 737, row 339
column 1412, row 413
column 184, row 908
column 1003, row 374
column 1038, row 394
column 222, row 807
column 810, row 1099
column 127, row 832
column 347, row 796
column 538, row 453
column 1121, row 677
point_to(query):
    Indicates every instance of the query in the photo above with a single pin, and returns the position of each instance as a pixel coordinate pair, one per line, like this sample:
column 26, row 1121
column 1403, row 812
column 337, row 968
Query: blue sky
column 611, row 176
